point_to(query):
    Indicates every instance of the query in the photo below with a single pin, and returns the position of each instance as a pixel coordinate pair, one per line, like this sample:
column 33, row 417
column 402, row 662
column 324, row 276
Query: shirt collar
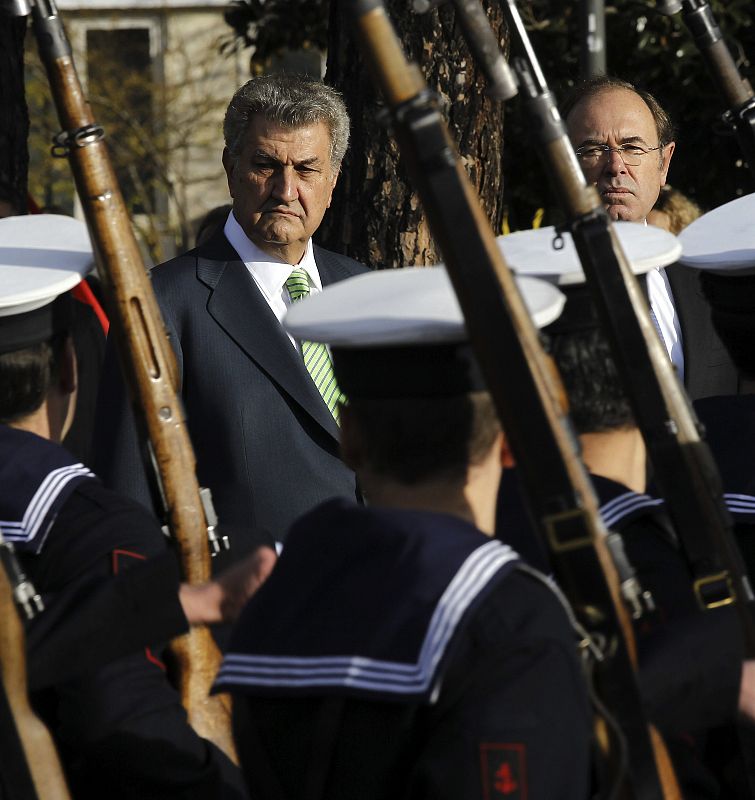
column 269, row 272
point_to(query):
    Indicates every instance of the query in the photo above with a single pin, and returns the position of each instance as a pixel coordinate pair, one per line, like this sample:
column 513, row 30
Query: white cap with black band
column 42, row 257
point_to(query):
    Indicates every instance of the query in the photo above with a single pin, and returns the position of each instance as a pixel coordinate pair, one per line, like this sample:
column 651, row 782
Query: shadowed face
column 281, row 184
column 616, row 116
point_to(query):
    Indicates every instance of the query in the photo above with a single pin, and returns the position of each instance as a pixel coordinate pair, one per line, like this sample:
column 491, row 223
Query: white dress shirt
column 662, row 308
column 269, row 273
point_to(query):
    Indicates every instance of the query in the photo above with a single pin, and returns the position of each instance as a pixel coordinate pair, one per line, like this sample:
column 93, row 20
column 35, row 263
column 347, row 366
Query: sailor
column 120, row 728
column 693, row 676
column 720, row 246
column 397, row 650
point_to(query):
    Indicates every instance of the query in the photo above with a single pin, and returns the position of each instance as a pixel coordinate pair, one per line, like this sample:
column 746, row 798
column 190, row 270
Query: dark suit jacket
column 266, row 443
column 708, row 369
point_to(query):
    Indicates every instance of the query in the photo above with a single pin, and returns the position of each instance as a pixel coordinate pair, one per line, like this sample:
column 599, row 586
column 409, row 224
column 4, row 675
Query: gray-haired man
column 262, row 426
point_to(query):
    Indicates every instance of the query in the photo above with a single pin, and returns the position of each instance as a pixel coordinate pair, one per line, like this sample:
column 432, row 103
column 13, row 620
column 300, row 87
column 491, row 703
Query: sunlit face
column 281, row 184
column 615, row 117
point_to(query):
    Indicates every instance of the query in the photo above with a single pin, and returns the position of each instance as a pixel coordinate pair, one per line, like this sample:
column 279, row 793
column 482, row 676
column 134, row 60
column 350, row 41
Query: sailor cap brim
column 546, row 254
column 409, row 306
column 723, row 240
column 400, row 333
column 41, row 256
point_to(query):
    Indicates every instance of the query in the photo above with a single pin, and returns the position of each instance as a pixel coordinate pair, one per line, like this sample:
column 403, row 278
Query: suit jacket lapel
column 239, row 308
column 330, row 266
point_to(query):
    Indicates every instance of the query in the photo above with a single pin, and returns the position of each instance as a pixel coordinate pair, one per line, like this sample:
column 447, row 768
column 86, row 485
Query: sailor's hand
column 221, row 599
column 747, row 691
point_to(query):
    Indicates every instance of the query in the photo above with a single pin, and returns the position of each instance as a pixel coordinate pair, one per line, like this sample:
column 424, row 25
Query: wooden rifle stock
column 148, row 362
column 560, row 497
column 35, row 766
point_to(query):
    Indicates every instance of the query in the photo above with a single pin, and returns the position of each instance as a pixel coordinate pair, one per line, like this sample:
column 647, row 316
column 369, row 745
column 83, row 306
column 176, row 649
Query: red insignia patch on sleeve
column 118, row 556
column 503, row 770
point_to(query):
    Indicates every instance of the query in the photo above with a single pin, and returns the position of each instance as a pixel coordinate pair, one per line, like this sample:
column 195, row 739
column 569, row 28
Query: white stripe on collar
column 740, row 503
column 620, row 507
column 625, row 504
column 374, row 675
column 26, row 529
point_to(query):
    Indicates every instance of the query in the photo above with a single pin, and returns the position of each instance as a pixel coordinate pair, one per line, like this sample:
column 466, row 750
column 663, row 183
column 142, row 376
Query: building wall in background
column 157, row 80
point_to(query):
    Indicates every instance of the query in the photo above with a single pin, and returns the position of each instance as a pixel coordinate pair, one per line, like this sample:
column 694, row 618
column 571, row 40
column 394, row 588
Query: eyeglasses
column 630, row 154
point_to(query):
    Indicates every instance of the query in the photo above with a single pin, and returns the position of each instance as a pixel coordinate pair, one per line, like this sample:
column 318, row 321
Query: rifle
column 148, row 362
column 683, row 466
column 30, row 761
column 736, row 90
column 560, row 497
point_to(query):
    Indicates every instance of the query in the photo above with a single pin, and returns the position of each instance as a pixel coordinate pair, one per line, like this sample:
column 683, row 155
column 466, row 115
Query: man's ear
column 352, row 451
column 67, row 377
column 229, row 165
column 506, row 456
column 332, row 187
column 666, row 154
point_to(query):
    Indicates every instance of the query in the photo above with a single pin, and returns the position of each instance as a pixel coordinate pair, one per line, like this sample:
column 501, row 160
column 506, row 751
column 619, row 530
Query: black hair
column 412, row 440
column 597, row 400
column 26, row 377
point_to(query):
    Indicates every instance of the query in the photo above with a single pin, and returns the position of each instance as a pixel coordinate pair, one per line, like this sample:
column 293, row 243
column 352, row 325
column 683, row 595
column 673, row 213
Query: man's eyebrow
column 312, row 161
column 263, row 154
column 634, row 139
column 624, row 140
column 305, row 162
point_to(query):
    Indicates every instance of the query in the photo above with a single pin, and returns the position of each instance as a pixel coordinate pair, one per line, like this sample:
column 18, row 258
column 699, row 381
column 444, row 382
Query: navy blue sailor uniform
column 729, row 422
column 690, row 661
column 404, row 654
column 119, row 727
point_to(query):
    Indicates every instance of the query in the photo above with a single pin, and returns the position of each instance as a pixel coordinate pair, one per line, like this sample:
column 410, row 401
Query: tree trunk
column 375, row 216
column 14, row 118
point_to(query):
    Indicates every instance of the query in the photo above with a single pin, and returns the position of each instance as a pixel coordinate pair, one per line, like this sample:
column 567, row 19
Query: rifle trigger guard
column 65, row 140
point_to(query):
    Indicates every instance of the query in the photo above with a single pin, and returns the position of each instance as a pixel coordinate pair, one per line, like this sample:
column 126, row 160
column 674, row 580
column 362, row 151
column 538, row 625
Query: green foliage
column 659, row 54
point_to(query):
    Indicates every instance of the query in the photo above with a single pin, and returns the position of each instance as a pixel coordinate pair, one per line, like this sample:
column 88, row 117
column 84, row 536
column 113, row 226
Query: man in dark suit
column 262, row 426
column 624, row 142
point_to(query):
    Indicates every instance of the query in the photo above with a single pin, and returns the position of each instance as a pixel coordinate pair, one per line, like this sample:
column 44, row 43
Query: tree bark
column 14, row 117
column 375, row 216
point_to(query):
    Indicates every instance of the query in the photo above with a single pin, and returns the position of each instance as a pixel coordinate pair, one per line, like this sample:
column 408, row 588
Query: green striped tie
column 316, row 356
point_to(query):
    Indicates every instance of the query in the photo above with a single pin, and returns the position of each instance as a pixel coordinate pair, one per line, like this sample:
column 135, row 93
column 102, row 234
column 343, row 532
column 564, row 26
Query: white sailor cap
column 723, row 240
column 401, row 332
column 548, row 255
column 721, row 245
column 543, row 253
column 42, row 256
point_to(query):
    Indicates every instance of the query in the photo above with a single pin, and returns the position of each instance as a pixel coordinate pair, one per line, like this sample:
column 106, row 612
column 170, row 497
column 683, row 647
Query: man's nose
column 285, row 186
column 614, row 164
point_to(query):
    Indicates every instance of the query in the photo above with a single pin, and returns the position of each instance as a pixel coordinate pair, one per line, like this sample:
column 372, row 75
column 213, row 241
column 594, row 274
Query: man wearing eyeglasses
column 624, row 141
